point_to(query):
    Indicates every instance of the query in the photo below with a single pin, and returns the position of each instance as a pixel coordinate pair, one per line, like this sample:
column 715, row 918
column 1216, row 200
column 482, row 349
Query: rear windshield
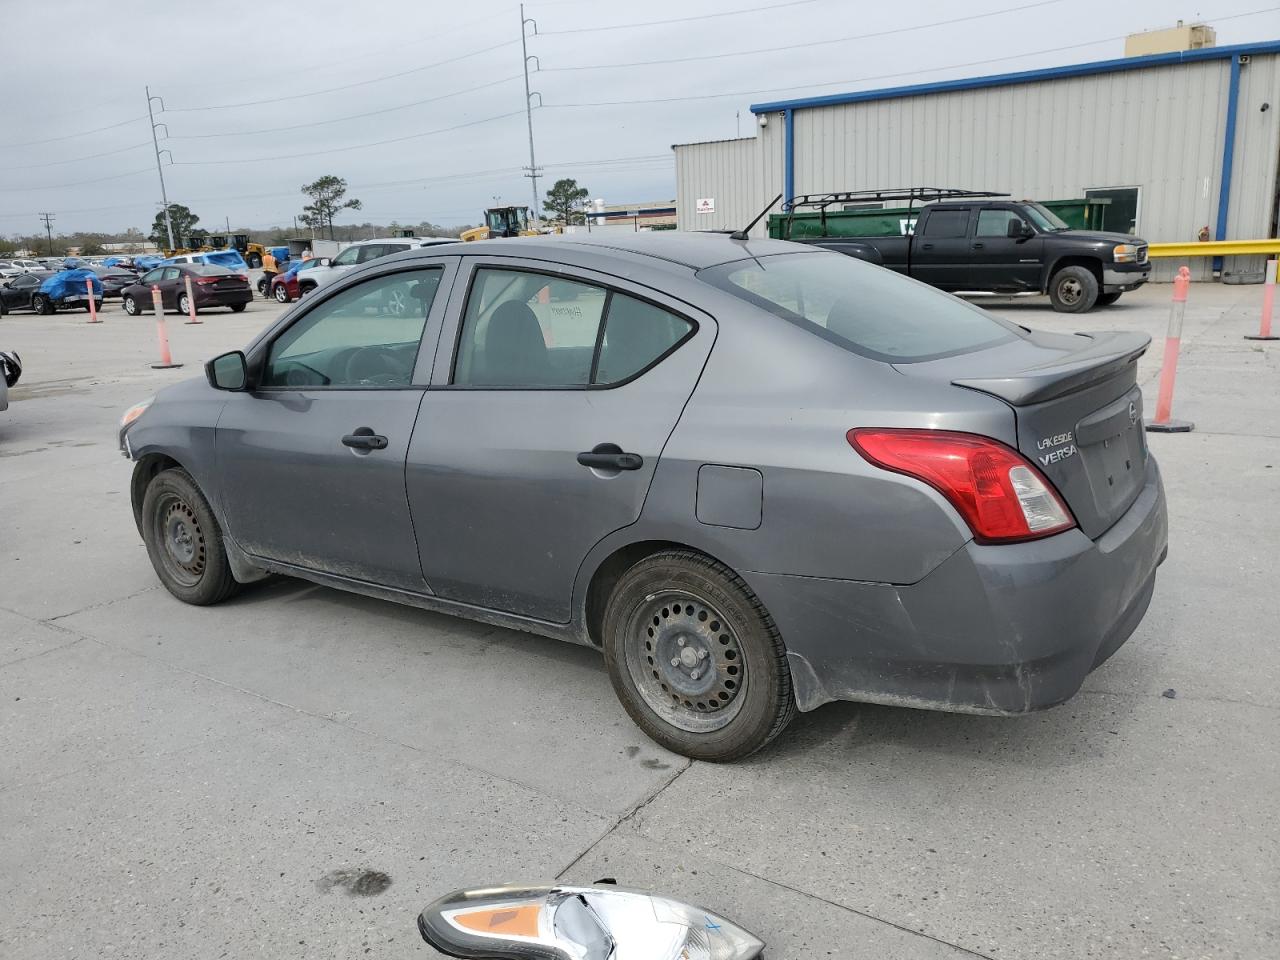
column 863, row 308
column 207, row 270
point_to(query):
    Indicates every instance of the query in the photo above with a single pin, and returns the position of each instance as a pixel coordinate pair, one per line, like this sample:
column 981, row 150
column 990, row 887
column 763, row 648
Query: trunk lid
column 1078, row 412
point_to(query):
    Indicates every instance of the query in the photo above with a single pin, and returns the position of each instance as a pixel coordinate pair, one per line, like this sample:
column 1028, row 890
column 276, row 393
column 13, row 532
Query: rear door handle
column 978, row 246
column 610, row 456
column 926, row 246
column 364, row 439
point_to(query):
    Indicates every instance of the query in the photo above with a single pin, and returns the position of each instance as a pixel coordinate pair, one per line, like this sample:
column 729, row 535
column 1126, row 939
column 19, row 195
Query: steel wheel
column 1070, row 290
column 685, row 659
column 184, row 544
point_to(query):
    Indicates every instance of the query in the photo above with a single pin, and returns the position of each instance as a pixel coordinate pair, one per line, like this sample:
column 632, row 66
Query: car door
column 552, row 398
column 311, row 461
column 19, row 291
column 169, row 282
column 940, row 249
column 1000, row 262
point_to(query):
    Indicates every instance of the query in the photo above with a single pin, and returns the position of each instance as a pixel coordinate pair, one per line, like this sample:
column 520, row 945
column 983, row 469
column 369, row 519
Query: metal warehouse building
column 1177, row 141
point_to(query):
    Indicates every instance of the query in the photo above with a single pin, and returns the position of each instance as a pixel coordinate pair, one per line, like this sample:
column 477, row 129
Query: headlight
column 1125, row 253
column 579, row 923
column 134, row 412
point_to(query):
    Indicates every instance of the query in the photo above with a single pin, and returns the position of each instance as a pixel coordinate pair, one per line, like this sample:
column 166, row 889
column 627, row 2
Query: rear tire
column 282, row 293
column 255, row 261
column 728, row 693
column 184, row 541
column 238, row 307
column 1073, row 289
column 1107, row 299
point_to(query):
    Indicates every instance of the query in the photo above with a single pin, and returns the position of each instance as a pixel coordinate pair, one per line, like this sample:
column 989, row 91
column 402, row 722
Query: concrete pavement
column 214, row 782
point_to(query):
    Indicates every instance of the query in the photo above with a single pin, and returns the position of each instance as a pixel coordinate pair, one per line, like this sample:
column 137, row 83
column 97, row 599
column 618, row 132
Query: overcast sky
column 444, row 80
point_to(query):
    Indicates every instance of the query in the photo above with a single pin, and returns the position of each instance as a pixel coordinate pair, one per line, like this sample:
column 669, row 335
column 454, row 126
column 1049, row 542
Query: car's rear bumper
column 224, row 298
column 993, row 629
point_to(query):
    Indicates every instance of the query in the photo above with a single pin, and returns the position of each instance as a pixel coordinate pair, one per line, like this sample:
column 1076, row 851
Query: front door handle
column 610, row 456
column 364, row 439
column 978, row 246
column 926, row 246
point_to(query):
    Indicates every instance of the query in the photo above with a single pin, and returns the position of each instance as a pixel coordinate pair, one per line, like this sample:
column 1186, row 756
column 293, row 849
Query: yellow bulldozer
column 503, row 222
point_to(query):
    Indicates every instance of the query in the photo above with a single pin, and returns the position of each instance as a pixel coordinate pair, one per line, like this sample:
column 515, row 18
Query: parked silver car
column 758, row 476
column 359, row 253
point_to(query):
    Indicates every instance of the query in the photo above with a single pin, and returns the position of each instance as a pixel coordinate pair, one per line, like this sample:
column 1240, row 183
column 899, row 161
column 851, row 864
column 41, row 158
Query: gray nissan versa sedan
column 758, row 476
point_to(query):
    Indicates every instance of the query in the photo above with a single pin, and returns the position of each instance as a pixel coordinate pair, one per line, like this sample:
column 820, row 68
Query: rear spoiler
column 1107, row 355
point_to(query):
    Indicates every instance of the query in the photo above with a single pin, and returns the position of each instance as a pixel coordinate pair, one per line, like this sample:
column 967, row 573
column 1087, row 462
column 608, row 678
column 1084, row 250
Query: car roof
column 693, row 250
column 412, row 241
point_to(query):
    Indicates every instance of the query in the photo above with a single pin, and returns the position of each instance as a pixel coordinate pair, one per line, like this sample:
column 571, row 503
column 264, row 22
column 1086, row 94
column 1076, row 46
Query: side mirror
column 230, row 371
column 1018, row 229
column 326, row 262
column 586, row 923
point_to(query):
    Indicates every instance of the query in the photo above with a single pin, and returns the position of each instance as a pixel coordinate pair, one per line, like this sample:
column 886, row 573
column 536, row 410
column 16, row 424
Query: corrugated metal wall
column 739, row 175
column 1160, row 129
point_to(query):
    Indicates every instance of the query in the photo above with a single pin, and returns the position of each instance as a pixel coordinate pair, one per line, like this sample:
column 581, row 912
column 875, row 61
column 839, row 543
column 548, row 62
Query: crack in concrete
column 100, row 604
column 626, row 818
column 43, row 653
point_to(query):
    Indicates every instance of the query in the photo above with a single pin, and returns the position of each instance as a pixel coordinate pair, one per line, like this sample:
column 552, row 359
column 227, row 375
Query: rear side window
column 530, row 330
column 946, row 223
column 863, row 308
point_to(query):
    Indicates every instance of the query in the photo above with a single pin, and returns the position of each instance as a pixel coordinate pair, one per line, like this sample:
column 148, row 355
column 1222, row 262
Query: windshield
column 1044, row 218
column 863, row 308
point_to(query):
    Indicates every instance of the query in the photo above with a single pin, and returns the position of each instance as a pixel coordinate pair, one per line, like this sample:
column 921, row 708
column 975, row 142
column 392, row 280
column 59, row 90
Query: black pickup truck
column 981, row 243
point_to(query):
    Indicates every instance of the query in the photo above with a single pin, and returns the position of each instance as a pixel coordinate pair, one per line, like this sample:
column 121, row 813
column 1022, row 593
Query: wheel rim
column 182, row 541
column 1070, row 290
column 183, row 304
column 282, row 294
column 129, row 306
column 685, row 659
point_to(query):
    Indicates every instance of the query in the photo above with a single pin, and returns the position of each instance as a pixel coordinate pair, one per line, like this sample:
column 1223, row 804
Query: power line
column 72, row 136
column 354, row 116
column 812, row 43
column 701, row 16
column 354, row 146
column 78, row 183
column 92, row 156
column 345, row 86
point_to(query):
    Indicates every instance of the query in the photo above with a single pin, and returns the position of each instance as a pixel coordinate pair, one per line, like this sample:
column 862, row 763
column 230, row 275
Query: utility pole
column 155, row 142
column 48, row 219
column 532, row 169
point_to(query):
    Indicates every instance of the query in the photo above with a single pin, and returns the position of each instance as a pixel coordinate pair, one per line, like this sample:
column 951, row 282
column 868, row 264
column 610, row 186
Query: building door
column 1121, row 215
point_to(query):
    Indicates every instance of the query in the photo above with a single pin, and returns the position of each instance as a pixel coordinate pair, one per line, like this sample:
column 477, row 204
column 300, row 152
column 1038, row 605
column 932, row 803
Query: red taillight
column 205, row 281
column 999, row 493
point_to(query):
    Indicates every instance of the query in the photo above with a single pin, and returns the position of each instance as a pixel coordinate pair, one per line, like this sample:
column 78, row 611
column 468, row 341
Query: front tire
column 184, row 304
column 1073, row 289
column 238, row 307
column 695, row 658
column 130, row 306
column 42, row 305
column 184, row 541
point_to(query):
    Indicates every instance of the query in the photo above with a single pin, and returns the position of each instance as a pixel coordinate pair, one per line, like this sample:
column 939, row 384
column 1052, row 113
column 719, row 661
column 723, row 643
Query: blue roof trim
column 1025, row 76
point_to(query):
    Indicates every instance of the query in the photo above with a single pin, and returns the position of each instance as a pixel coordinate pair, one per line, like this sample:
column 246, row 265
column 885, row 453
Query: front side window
column 152, row 276
column 365, row 336
column 995, row 223
column 530, row 330
column 347, row 258
column 946, row 223
column 862, row 308
column 171, row 273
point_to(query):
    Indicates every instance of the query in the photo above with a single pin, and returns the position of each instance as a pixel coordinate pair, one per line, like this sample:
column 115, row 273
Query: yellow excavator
column 503, row 222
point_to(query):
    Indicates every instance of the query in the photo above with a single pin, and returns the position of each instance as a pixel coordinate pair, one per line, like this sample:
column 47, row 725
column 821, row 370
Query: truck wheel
column 255, row 261
column 1107, row 299
column 1073, row 289
column 184, row 541
column 695, row 658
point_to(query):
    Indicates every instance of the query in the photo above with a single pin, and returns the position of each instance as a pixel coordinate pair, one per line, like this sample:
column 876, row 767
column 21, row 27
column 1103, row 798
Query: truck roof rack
column 914, row 195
